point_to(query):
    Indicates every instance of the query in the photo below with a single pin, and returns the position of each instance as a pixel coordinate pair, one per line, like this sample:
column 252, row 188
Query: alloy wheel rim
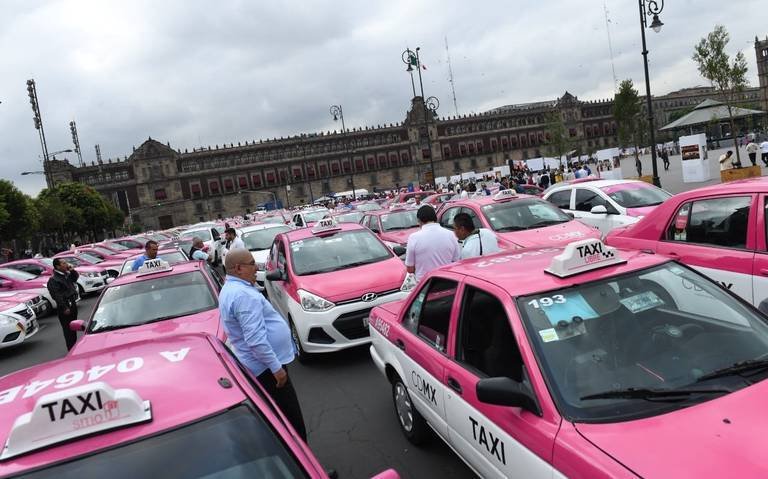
column 404, row 407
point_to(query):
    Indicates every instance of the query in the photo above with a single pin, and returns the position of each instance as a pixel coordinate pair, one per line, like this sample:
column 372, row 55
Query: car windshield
column 103, row 251
column 117, row 246
column 278, row 220
column 263, row 238
column 204, row 235
column 399, row 220
column 315, row 216
column 16, row 274
column 346, row 249
column 47, row 261
column 614, row 349
column 89, row 258
column 172, row 257
column 152, row 299
column 141, row 240
column 353, row 217
column 130, row 244
column 636, row 195
column 523, row 214
column 234, row 443
column 368, row 207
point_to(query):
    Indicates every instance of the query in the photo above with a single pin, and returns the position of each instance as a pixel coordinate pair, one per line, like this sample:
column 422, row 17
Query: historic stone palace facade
column 160, row 187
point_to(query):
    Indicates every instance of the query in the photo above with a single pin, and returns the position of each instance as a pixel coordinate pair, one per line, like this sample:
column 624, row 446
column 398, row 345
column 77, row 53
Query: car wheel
column 303, row 356
column 412, row 423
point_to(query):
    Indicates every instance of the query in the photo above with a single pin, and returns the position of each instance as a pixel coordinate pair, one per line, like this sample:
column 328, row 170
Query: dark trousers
column 765, row 158
column 286, row 400
column 70, row 337
column 753, row 158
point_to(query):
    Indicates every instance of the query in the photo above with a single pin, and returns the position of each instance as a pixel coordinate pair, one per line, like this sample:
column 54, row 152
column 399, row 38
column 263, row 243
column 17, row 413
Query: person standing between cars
column 232, row 241
column 430, row 247
column 752, row 150
column 724, row 163
column 196, row 251
column 150, row 252
column 63, row 289
column 259, row 336
column 477, row 241
column 764, row 151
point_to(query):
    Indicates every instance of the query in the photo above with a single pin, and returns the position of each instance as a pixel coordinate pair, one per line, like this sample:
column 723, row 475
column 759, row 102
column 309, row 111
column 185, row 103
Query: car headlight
column 93, row 274
column 30, row 303
column 409, row 282
column 312, row 302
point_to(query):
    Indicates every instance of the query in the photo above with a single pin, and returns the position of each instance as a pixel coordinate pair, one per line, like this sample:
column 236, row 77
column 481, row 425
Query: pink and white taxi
column 581, row 362
column 394, row 227
column 175, row 407
column 159, row 299
column 92, row 279
column 720, row 230
column 324, row 280
column 519, row 221
column 17, row 323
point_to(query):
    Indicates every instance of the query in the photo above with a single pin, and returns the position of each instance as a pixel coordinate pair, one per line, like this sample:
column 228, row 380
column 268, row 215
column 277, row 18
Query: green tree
column 20, row 216
column 559, row 142
column 84, row 209
column 628, row 112
column 728, row 77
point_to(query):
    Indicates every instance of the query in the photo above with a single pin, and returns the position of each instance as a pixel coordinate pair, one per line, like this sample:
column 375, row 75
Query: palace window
column 160, row 194
column 195, row 190
column 213, row 187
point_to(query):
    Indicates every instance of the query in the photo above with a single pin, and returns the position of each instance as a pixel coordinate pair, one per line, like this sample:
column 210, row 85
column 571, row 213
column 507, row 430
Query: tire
column 412, row 423
column 303, row 356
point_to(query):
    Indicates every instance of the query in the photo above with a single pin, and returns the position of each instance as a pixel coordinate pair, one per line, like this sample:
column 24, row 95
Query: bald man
column 260, row 337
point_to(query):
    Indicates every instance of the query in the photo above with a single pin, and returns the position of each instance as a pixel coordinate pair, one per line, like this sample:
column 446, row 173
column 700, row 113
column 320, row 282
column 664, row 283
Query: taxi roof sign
column 325, row 225
column 64, row 415
column 507, row 194
column 581, row 256
column 152, row 266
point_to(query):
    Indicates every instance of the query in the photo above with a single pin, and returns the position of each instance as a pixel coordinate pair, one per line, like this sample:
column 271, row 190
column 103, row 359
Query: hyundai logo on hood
column 368, row 297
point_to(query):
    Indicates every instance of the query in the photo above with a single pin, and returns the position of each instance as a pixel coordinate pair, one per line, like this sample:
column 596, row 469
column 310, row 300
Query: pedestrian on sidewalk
column 725, row 161
column 259, row 336
column 665, row 159
column 764, row 151
column 752, row 149
column 63, row 289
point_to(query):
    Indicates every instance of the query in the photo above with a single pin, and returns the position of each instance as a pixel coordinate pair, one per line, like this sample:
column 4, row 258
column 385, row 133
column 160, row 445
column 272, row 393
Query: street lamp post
column 338, row 114
column 650, row 8
column 46, row 171
column 431, row 104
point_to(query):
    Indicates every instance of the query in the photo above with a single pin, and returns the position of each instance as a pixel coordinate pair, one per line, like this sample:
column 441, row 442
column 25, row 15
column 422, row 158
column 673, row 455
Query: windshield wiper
column 121, row 326
column 395, row 228
column 652, row 394
column 546, row 223
column 735, row 369
column 511, row 228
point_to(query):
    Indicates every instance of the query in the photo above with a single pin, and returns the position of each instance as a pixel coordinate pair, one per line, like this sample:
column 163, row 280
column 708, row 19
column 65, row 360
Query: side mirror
column 599, row 210
column 569, row 214
column 77, row 325
column 275, row 275
column 398, row 250
column 503, row 391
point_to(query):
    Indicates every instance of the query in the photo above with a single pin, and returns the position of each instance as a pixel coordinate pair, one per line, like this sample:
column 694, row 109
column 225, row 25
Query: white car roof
column 261, row 226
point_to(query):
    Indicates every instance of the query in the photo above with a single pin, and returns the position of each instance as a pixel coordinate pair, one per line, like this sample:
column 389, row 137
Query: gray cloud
column 201, row 73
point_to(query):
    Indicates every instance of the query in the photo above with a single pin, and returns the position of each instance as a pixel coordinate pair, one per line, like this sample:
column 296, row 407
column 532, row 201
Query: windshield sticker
column 570, row 307
column 642, row 302
column 548, row 335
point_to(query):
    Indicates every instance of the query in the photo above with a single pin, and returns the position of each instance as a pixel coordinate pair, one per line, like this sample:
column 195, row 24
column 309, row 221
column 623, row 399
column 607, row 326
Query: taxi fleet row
column 584, row 361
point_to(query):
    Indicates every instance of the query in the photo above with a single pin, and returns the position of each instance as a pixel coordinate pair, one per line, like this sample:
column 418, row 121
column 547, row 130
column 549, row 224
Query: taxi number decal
column 381, row 326
column 73, row 377
column 547, row 301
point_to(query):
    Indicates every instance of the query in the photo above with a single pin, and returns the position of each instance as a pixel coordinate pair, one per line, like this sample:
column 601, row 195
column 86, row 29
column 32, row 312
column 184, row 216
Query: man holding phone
column 63, row 289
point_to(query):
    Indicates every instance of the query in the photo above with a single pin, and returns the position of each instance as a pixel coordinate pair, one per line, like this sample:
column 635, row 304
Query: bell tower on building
column 761, row 52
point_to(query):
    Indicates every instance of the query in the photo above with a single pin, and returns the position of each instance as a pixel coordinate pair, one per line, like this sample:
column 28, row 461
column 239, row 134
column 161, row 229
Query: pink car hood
column 724, row 437
column 642, row 211
column 398, row 236
column 555, row 235
column 205, row 322
column 6, row 304
column 352, row 283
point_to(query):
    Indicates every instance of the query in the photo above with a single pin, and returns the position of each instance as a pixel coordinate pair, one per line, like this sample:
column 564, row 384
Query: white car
column 15, row 328
column 258, row 239
column 211, row 234
column 309, row 216
column 606, row 204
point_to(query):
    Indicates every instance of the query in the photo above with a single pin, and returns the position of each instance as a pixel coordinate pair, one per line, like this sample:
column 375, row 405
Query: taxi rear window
column 152, row 299
column 236, row 443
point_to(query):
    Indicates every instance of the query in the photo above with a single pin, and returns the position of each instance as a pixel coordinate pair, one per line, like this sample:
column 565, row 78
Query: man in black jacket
column 63, row 289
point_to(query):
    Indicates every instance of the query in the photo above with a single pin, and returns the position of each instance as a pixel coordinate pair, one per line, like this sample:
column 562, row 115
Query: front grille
column 26, row 313
column 351, row 325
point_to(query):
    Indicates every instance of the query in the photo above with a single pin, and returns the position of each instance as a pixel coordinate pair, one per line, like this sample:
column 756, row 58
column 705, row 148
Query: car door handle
column 454, row 384
column 400, row 344
column 672, row 253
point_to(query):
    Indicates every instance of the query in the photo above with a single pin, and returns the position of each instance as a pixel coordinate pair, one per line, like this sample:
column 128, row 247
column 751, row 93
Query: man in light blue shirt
column 259, row 336
column 150, row 252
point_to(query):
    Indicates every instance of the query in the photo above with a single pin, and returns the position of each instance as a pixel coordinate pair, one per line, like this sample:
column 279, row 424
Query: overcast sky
column 197, row 72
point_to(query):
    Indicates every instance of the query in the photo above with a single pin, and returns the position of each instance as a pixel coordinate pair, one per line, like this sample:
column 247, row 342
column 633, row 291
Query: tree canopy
column 628, row 112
